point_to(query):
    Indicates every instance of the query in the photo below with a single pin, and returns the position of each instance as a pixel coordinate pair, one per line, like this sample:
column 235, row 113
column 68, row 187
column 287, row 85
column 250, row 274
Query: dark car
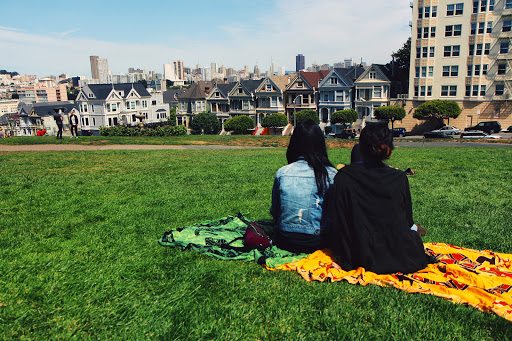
column 435, row 135
column 509, row 129
column 399, row 132
column 348, row 133
column 490, row 127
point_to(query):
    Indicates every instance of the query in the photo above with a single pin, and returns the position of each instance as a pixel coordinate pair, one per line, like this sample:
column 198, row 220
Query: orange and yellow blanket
column 482, row 279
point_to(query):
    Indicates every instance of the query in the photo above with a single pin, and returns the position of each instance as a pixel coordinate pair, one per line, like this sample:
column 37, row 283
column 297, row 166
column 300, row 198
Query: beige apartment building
column 462, row 50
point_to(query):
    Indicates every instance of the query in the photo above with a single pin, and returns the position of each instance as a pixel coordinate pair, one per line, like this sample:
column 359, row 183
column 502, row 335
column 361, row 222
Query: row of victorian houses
column 325, row 91
column 107, row 105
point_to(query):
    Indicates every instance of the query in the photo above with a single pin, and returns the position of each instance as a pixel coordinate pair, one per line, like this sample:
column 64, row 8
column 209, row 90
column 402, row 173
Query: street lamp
column 294, row 105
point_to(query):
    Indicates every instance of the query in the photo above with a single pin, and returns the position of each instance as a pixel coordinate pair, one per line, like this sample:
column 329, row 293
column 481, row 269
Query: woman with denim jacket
column 301, row 191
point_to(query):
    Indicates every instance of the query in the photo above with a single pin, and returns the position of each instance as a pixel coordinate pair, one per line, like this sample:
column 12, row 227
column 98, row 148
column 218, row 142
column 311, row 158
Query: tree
column 344, row 116
column 402, row 57
column 390, row 113
column 400, row 65
column 171, row 120
column 239, row 124
column 438, row 109
column 304, row 115
column 143, row 82
column 274, row 121
column 207, row 122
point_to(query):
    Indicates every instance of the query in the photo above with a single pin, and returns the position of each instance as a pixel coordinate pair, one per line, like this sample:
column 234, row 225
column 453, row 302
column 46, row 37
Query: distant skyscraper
column 281, row 71
column 215, row 68
column 178, row 69
column 99, row 68
column 300, row 63
column 271, row 66
column 256, row 70
column 349, row 62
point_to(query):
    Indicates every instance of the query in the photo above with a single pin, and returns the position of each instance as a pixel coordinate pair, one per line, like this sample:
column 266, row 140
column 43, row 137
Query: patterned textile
column 482, row 279
column 223, row 239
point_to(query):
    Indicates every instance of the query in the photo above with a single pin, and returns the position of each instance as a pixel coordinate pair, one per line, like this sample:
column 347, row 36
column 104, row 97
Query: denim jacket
column 296, row 205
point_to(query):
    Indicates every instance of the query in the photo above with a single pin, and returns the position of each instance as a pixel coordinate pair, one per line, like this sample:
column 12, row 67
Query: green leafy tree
column 239, row 124
column 391, row 113
column 304, row 115
column 344, row 116
column 438, row 110
column 171, row 119
column 274, row 121
column 401, row 64
column 207, row 122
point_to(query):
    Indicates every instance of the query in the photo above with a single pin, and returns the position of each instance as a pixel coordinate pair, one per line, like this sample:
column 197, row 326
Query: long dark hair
column 376, row 142
column 308, row 141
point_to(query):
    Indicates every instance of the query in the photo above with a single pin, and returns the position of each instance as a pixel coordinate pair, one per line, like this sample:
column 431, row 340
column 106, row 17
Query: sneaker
column 421, row 231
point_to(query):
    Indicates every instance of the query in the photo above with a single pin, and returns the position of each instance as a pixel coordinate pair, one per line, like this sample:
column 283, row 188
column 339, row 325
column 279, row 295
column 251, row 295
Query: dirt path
column 76, row 147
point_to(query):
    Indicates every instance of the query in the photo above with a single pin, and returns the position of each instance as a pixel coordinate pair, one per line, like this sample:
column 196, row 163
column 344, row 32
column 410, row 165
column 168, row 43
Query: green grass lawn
column 79, row 255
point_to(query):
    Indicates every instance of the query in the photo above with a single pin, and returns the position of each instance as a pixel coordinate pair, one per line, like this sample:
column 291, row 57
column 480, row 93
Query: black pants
column 59, row 133
column 74, row 130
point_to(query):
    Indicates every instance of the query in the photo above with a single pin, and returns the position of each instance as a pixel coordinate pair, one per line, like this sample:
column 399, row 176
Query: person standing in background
column 73, row 123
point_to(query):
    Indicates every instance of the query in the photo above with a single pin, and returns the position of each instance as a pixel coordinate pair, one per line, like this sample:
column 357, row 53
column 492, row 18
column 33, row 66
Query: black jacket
column 371, row 217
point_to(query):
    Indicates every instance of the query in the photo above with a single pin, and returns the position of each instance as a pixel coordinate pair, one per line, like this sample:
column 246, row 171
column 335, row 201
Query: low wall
column 472, row 113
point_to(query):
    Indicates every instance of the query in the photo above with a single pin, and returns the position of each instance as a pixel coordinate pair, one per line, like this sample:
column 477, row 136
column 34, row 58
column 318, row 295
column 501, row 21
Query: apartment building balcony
column 503, row 11
column 503, row 77
column 505, row 35
column 500, row 97
column 504, row 55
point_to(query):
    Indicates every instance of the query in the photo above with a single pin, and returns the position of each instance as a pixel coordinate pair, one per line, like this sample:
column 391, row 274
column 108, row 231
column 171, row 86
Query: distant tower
column 99, row 68
column 300, row 63
column 271, row 66
column 215, row 68
column 178, row 69
column 256, row 70
column 348, row 62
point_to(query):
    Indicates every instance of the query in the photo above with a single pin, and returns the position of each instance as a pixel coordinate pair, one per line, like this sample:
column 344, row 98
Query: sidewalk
column 77, row 147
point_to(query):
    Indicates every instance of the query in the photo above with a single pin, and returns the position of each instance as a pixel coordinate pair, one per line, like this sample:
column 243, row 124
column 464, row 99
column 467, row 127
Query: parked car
column 475, row 134
column 435, row 135
column 490, row 127
column 448, row 130
column 399, row 132
column 509, row 129
column 347, row 133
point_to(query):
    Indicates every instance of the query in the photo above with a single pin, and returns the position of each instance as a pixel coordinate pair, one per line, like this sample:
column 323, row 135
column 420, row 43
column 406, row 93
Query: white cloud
column 325, row 31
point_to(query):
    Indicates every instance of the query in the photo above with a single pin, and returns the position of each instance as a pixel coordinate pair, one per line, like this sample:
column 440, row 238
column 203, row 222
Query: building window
column 153, row 102
column 475, row 6
column 449, row 90
column 377, row 92
column 433, row 32
column 502, row 69
column 455, row 9
column 144, row 104
column 504, row 46
column 334, row 80
column 424, row 52
column 416, row 91
column 484, row 69
column 481, row 27
column 450, row 71
column 422, row 90
column 429, row 90
column 475, row 90
column 427, row 12
column 373, row 74
column 491, row 5
column 418, row 33
column 483, row 5
column 468, row 90
column 507, row 25
column 452, row 51
column 423, row 71
column 489, row 27
column 299, row 85
column 473, row 28
column 432, row 52
column 499, row 89
column 418, row 52
column 479, row 49
column 483, row 89
column 417, row 71
column 477, row 70
column 425, row 32
column 470, row 70
column 431, row 71
column 274, row 101
column 434, row 11
column 453, row 30
column 471, row 49
column 268, row 87
column 487, row 48
column 508, row 4
column 420, row 12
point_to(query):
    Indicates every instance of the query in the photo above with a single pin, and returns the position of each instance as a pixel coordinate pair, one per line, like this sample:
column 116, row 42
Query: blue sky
column 54, row 37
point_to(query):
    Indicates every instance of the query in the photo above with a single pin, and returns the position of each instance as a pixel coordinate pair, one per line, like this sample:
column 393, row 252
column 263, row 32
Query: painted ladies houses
column 302, row 92
column 218, row 100
column 106, row 105
column 336, row 91
column 269, row 96
column 242, row 99
column 38, row 116
column 372, row 90
column 193, row 101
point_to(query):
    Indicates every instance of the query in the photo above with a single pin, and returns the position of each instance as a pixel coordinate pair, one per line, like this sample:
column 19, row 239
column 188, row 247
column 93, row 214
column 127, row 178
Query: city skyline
column 232, row 34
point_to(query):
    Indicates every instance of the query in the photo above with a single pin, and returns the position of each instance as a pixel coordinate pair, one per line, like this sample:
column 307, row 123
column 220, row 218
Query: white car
column 447, row 130
column 477, row 134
